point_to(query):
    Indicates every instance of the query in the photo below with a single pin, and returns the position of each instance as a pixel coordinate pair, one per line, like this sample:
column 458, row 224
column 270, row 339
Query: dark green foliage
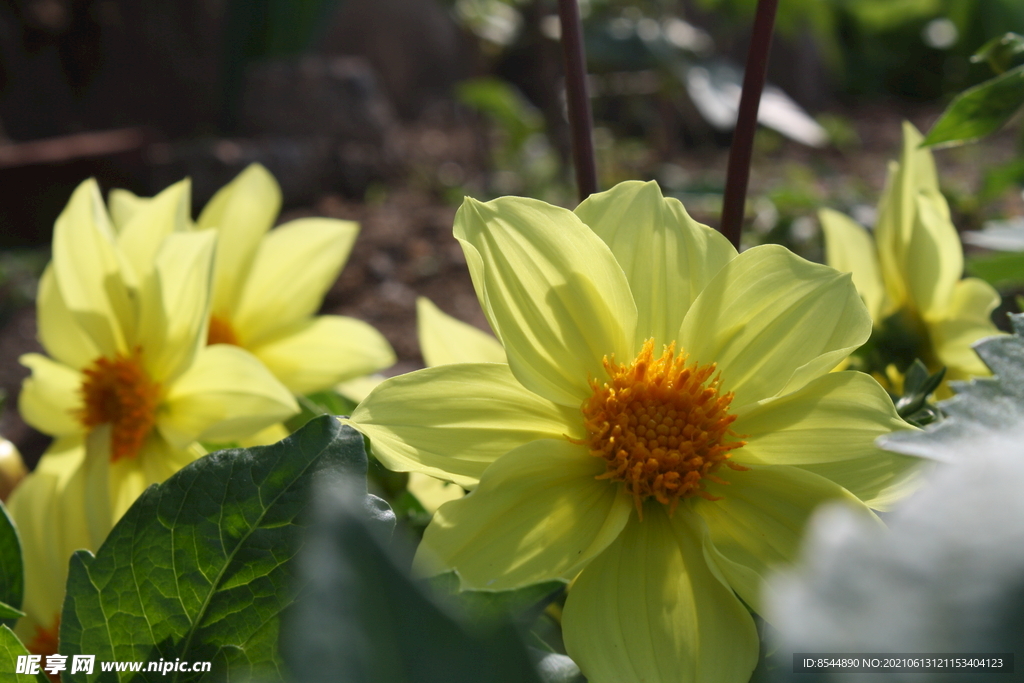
column 361, row 619
column 12, row 582
column 200, row 567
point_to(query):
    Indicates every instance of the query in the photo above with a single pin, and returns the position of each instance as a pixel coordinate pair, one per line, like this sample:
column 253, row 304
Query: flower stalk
column 738, row 173
column 581, row 122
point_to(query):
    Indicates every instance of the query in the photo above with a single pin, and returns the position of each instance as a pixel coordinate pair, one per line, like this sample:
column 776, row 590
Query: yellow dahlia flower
column 129, row 386
column 910, row 273
column 664, row 426
column 268, row 284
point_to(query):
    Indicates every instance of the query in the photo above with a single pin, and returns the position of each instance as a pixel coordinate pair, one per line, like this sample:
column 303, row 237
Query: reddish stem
column 738, row 174
column 581, row 122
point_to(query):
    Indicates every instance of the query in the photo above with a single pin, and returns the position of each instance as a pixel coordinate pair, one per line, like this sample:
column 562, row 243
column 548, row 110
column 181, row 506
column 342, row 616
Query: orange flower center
column 661, row 425
column 44, row 642
column 117, row 391
column 221, row 332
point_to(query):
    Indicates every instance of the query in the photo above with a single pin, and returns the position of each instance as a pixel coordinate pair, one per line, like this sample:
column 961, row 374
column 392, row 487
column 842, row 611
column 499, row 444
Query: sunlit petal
column 552, row 291
column 539, row 514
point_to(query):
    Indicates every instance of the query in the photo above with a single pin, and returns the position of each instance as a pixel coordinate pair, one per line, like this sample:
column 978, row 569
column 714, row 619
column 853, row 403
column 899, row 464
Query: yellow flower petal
column 140, row 237
column 241, row 211
column 316, row 354
column 51, row 397
column 359, row 388
column 90, row 272
column 914, row 175
column 880, row 480
column 452, row 421
column 46, row 508
column 433, row 493
column 122, row 205
column 294, row 266
column 265, row 437
column 835, row 417
column 773, row 321
column 849, row 248
column 225, row 395
column 155, row 463
column 967, row 320
column 650, row 608
column 667, row 256
column 935, row 259
column 552, row 291
column 175, row 308
column 539, row 514
column 98, row 497
column 59, row 331
column 444, row 339
column 760, row 519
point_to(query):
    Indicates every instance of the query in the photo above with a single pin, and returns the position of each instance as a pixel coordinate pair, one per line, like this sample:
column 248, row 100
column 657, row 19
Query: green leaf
column 998, row 269
column 12, row 580
column 200, row 567
column 1000, row 52
column 918, row 385
column 985, row 414
column 10, row 649
column 979, row 111
column 362, row 620
column 9, row 614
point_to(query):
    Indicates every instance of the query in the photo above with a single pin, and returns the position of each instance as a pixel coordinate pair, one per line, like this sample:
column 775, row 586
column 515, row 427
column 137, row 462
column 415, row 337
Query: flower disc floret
column 221, row 332
column 661, row 425
column 117, row 391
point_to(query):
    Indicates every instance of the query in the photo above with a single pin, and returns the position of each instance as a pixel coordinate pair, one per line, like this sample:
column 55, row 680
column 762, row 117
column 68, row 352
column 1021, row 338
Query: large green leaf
column 985, row 414
column 980, row 110
column 362, row 620
column 10, row 649
column 12, row 582
column 200, row 567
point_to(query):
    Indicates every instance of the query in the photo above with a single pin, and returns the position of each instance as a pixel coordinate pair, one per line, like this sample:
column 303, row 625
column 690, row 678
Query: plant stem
column 581, row 122
column 738, row 174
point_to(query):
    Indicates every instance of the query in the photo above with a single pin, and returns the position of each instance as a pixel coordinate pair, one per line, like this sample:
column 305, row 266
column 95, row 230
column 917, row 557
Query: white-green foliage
column 948, row 574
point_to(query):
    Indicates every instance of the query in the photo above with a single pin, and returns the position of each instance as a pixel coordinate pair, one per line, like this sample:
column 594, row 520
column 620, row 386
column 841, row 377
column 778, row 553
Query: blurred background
column 388, row 112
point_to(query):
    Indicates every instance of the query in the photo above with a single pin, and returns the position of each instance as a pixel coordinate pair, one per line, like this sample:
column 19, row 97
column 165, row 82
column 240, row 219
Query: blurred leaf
column 948, row 574
column 10, row 649
column 499, row 100
column 1000, row 52
column 998, row 269
column 487, row 607
column 200, row 566
column 360, row 619
column 985, row 413
column 979, row 111
column 1001, row 177
column 879, row 15
column 12, row 581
